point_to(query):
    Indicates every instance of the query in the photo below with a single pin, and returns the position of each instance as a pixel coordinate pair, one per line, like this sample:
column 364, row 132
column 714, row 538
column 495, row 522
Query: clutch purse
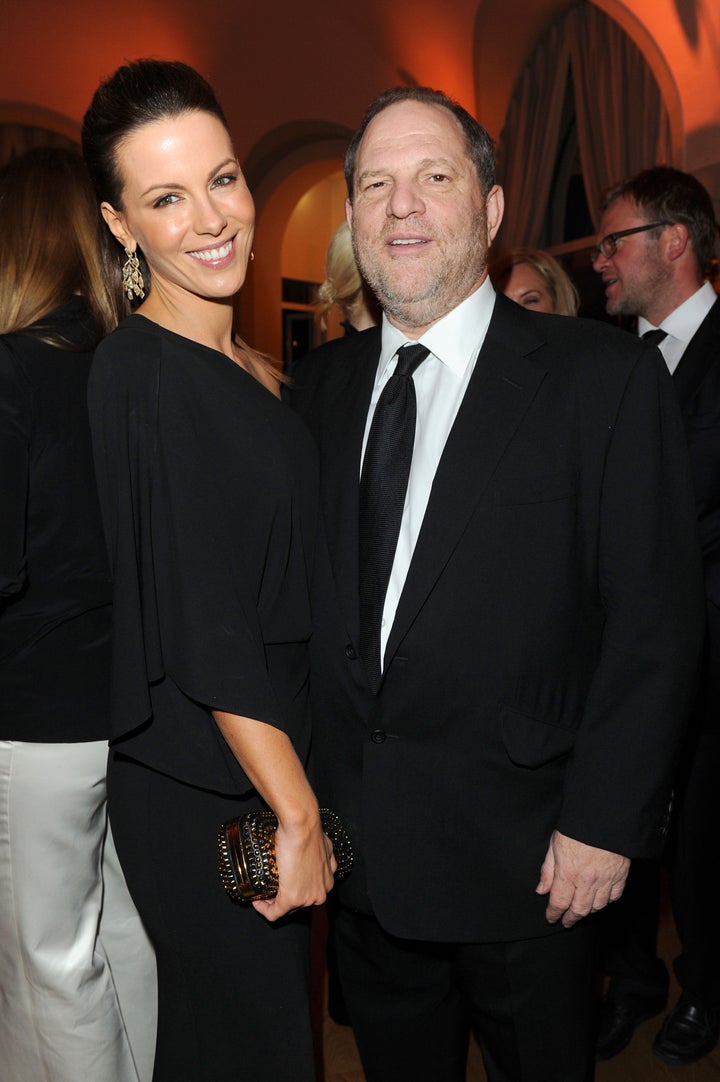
column 246, row 853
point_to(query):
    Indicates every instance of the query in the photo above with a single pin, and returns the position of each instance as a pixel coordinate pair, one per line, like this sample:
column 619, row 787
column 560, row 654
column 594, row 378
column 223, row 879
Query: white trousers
column 78, row 998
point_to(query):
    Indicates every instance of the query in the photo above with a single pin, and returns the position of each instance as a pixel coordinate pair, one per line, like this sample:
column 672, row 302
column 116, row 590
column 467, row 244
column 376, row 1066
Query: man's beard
column 424, row 303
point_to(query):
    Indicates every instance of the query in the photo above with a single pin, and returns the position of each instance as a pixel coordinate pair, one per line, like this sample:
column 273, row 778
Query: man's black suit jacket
column 697, row 383
column 542, row 659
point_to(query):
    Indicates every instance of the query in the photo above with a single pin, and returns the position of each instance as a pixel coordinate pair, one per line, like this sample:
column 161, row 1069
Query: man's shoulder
column 564, row 340
column 335, row 363
column 363, row 344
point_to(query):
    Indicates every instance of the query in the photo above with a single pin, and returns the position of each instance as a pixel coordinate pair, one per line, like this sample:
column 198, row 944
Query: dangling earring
column 132, row 278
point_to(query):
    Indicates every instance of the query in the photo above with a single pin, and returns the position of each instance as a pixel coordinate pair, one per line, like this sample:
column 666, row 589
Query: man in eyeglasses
column 658, row 234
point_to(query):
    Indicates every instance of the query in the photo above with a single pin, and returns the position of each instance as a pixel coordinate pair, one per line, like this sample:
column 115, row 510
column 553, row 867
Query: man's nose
column 405, row 200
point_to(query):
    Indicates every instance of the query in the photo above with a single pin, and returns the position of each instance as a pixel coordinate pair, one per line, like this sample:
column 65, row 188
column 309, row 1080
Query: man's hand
column 579, row 879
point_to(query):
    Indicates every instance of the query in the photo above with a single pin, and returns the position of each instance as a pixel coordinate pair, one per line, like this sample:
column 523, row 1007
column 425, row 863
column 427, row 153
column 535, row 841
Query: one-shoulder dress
column 208, row 493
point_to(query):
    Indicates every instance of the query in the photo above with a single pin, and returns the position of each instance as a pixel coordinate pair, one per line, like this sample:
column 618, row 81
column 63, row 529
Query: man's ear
column 115, row 221
column 348, row 213
column 675, row 240
column 494, row 208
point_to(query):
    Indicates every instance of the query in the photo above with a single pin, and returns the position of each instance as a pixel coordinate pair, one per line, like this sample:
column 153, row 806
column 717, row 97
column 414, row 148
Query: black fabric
column 383, row 485
column 208, row 491
column 54, row 580
column 542, row 657
column 233, row 989
column 412, row 1004
column 654, row 337
column 630, row 952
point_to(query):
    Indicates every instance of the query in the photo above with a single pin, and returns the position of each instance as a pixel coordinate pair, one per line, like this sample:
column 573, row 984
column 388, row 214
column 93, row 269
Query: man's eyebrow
column 436, row 164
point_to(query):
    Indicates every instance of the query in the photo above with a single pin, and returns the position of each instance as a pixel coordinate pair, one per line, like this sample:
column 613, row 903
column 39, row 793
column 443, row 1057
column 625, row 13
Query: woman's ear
column 115, row 221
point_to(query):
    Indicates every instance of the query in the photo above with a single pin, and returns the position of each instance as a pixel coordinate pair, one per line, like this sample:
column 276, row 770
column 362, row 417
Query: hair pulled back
column 138, row 93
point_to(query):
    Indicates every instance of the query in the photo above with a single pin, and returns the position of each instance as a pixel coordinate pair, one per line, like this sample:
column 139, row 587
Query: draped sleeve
column 207, row 490
column 15, row 422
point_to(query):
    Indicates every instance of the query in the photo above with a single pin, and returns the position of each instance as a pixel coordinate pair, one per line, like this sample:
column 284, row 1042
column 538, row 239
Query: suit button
column 350, row 652
column 378, row 736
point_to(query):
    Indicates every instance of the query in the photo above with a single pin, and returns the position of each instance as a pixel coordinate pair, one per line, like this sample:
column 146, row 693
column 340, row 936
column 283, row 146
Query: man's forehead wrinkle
column 424, row 163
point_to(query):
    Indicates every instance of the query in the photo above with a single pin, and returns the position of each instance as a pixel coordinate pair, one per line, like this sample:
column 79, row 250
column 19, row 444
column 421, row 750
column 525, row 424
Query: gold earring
column 132, row 278
column 252, row 256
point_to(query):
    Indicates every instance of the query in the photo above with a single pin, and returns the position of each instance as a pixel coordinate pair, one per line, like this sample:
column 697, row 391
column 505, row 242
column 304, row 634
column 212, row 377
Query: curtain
column 529, row 141
column 622, row 123
column 623, row 126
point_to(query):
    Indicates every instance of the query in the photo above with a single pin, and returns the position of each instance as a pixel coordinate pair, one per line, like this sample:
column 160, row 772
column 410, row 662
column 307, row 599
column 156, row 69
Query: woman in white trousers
column 77, row 972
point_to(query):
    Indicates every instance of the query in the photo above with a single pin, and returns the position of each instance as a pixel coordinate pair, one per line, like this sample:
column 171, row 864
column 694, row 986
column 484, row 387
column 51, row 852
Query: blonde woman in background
column 77, row 973
column 343, row 287
column 536, row 280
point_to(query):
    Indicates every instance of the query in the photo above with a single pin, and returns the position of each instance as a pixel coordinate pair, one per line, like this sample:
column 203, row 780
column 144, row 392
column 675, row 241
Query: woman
column 344, row 287
column 208, row 491
column 77, row 973
column 536, row 280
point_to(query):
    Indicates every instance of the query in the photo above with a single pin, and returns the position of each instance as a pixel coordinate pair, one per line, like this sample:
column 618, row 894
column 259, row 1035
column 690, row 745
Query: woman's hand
column 304, row 855
column 306, row 866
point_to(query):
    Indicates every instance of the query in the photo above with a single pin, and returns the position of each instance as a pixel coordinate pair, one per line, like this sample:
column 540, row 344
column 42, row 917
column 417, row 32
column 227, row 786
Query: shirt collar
column 455, row 339
column 683, row 321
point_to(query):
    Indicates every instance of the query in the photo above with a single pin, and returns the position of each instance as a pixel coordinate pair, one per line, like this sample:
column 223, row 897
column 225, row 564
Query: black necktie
column 383, row 485
column 654, row 337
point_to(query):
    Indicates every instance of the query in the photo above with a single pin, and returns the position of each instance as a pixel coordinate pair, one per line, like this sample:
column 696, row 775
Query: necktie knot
column 655, row 336
column 409, row 358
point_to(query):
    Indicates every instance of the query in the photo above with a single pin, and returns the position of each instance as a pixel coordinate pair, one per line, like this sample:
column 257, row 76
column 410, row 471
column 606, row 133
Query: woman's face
column 186, row 205
column 525, row 286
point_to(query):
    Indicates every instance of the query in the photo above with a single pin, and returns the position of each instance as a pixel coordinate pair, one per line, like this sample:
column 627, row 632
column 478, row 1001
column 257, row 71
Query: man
column 658, row 238
column 497, row 704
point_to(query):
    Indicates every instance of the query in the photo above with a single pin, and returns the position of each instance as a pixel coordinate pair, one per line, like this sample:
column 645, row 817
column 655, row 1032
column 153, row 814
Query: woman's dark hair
column 48, row 244
column 138, row 93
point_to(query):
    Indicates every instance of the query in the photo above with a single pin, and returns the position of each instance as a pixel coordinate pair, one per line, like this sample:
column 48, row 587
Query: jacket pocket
column 530, row 741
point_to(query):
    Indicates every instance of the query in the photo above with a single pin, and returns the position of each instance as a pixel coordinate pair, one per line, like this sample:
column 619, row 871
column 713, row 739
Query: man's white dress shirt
column 440, row 384
column 681, row 324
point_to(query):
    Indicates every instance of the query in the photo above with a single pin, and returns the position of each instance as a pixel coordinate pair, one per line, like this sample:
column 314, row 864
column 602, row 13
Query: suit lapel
column 698, row 358
column 501, row 388
column 345, row 418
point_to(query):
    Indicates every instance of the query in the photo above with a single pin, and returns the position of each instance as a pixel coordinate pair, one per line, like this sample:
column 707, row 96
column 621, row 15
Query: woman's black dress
column 207, row 487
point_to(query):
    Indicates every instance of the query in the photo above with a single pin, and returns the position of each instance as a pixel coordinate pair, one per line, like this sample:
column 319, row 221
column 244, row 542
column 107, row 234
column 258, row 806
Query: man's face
column 421, row 226
column 635, row 277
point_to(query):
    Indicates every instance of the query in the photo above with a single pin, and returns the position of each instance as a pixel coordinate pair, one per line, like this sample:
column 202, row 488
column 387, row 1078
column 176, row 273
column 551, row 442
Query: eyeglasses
column 607, row 247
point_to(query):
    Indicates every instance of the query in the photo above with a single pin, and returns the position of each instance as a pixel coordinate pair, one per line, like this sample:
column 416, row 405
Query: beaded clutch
column 246, row 853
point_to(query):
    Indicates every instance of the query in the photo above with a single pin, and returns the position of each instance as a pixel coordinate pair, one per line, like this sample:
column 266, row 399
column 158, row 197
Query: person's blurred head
column 148, row 134
column 48, row 241
column 535, row 280
column 344, row 287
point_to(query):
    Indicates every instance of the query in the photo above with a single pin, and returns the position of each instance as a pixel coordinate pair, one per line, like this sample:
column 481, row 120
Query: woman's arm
column 304, row 854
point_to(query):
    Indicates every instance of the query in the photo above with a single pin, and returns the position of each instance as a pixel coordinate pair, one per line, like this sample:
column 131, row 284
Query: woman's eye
column 165, row 200
column 225, row 179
